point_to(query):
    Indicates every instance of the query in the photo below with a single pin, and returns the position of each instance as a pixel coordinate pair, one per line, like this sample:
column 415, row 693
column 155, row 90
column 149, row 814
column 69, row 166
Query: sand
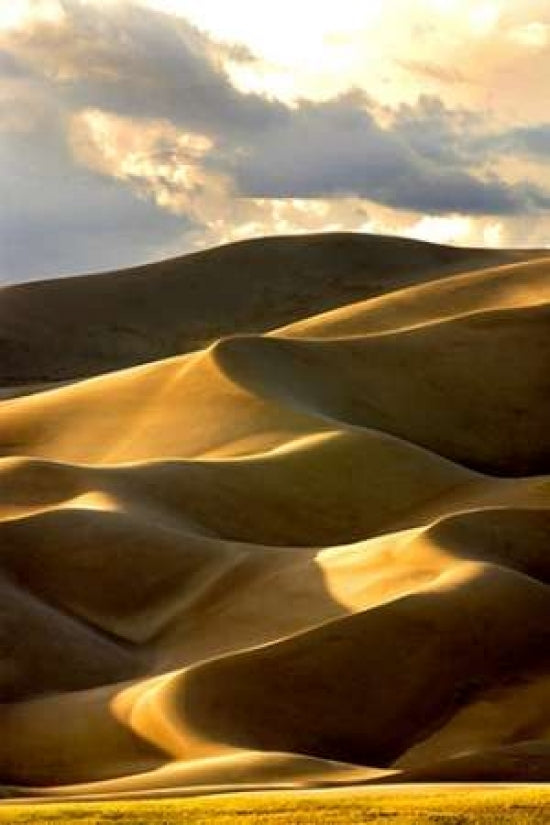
column 277, row 514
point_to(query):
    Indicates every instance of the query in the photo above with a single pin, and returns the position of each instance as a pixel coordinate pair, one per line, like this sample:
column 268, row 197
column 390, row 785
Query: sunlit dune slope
column 318, row 555
column 508, row 286
column 433, row 636
column 475, row 390
column 75, row 327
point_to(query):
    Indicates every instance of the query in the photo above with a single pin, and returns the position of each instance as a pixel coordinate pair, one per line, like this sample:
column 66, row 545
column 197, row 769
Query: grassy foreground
column 401, row 806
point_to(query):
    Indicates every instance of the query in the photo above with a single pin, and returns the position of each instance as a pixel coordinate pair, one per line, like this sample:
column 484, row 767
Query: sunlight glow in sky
column 315, row 50
column 168, row 125
column 16, row 14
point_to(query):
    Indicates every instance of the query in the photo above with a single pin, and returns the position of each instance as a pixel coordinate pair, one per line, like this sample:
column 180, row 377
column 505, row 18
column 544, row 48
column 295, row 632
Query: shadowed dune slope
column 75, row 327
column 316, row 555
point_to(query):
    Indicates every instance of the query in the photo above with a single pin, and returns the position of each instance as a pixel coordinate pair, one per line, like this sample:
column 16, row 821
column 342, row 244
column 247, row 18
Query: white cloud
column 484, row 18
column 169, row 167
column 442, row 229
column 17, row 14
column 316, row 50
column 157, row 160
column 532, row 35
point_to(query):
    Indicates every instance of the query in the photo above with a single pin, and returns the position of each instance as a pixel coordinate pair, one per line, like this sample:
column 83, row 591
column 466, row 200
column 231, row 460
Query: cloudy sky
column 132, row 130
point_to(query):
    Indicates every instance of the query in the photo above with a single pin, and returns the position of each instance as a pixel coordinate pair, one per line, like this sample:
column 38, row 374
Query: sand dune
column 508, row 286
column 155, row 311
column 427, row 385
column 309, row 556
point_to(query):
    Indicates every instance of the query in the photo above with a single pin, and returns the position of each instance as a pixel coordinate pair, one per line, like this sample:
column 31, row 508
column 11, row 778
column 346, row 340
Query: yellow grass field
column 458, row 805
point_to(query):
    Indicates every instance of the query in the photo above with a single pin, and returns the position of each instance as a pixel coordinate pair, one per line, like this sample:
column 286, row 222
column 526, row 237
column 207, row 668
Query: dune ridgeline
column 276, row 514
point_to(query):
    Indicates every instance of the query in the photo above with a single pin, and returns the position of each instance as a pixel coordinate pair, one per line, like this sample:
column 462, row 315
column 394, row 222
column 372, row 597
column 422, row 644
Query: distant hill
column 68, row 328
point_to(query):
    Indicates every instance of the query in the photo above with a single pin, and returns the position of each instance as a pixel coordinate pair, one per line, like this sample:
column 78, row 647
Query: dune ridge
column 307, row 543
column 250, row 286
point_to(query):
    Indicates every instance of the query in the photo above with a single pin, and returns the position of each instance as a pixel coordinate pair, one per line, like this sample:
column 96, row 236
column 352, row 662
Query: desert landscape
column 274, row 412
column 277, row 515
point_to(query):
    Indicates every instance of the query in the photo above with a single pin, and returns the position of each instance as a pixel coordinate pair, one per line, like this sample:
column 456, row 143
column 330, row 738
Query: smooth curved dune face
column 508, row 286
column 301, row 554
column 78, row 327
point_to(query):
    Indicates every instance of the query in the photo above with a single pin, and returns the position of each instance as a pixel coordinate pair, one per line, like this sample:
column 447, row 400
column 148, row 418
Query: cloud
column 58, row 218
column 169, row 167
column 129, row 121
column 534, row 35
column 446, row 75
column 164, row 164
column 141, row 64
column 457, row 229
column 158, row 160
column 533, row 141
column 421, row 161
column 136, row 63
